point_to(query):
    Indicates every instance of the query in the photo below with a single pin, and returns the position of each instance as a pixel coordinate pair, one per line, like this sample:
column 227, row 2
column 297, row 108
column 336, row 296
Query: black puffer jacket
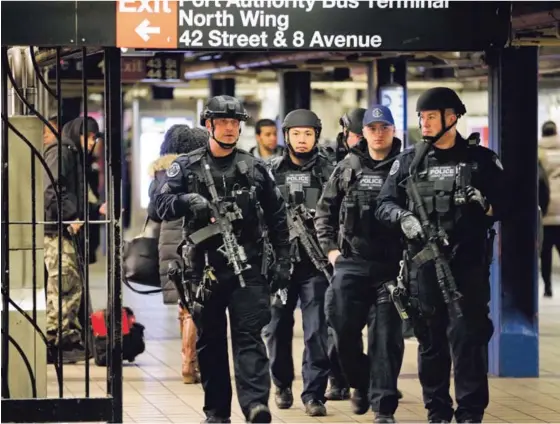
column 171, row 231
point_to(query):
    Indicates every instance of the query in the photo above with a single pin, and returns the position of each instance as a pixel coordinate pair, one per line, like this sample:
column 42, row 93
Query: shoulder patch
column 173, row 170
column 498, row 163
column 395, row 167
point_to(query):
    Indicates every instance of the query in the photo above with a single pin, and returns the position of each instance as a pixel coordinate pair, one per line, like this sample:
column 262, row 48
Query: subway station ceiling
column 532, row 24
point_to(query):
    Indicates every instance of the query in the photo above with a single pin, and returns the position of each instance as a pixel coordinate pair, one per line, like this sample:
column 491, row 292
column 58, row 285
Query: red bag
column 132, row 332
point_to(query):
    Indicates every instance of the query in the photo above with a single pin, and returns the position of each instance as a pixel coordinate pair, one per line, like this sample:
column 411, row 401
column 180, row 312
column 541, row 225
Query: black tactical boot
column 315, row 408
column 216, row 420
column 284, row 398
column 384, row 418
column 260, row 414
column 360, row 402
column 336, row 392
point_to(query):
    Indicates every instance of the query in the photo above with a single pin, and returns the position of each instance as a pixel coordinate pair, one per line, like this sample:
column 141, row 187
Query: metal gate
column 32, row 390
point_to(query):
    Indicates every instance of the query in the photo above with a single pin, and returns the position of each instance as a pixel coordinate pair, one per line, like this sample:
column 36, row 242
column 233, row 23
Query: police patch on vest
column 173, row 170
column 370, row 182
column 395, row 167
column 303, row 179
column 441, row 173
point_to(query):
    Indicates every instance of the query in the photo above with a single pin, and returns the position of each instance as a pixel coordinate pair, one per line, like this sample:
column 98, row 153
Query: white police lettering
column 441, row 172
column 498, row 163
column 395, row 167
column 173, row 170
column 303, row 179
column 371, row 182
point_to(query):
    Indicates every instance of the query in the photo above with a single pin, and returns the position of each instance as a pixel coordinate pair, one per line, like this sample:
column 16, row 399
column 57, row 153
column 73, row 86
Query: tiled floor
column 153, row 390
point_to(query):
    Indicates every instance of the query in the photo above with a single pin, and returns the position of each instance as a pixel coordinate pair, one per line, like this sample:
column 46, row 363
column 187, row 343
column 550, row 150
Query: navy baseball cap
column 378, row 113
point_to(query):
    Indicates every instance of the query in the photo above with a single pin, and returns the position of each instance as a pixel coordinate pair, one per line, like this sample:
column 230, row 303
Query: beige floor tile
column 154, row 392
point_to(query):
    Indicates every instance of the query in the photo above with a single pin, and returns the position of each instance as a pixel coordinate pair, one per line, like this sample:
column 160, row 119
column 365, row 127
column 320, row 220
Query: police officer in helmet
column 301, row 173
column 242, row 185
column 351, row 134
column 461, row 187
column 365, row 255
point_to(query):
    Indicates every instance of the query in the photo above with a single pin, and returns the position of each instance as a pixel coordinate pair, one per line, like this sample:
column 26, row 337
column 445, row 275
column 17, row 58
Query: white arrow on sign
column 144, row 30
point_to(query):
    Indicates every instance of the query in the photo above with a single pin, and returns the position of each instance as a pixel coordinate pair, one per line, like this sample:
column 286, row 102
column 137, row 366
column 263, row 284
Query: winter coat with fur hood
column 170, row 235
column 549, row 155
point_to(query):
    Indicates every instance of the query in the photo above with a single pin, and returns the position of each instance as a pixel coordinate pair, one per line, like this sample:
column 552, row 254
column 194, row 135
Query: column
column 223, row 86
column 391, row 92
column 295, row 92
column 513, row 124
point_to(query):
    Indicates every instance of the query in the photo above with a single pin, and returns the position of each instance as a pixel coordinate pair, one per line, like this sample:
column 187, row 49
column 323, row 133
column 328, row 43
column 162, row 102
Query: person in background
column 48, row 136
column 549, row 158
column 179, row 139
column 267, row 141
column 69, row 179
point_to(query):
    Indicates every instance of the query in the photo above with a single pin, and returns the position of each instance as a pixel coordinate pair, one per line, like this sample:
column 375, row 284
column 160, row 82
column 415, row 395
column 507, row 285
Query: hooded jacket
column 170, row 235
column 71, row 179
column 549, row 155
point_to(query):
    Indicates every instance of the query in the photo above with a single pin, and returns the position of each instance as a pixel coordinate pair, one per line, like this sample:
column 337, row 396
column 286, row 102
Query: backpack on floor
column 132, row 331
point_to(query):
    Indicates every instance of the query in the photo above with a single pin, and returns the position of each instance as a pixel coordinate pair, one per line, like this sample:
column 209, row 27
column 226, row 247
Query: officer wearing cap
column 461, row 186
column 365, row 255
column 243, row 186
column 301, row 173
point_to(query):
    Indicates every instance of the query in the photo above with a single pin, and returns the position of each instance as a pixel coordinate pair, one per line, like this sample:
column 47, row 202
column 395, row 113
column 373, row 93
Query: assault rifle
column 433, row 238
column 224, row 213
column 298, row 215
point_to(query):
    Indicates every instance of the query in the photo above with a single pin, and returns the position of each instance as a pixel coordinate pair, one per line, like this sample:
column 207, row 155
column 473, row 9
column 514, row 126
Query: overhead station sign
column 310, row 25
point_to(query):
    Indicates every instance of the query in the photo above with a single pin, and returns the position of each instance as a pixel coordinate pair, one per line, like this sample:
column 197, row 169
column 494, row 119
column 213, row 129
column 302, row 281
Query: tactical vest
column 301, row 186
column 362, row 186
column 441, row 187
column 236, row 186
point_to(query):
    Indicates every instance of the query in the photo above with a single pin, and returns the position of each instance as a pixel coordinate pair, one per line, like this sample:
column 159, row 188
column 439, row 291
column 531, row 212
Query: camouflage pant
column 71, row 291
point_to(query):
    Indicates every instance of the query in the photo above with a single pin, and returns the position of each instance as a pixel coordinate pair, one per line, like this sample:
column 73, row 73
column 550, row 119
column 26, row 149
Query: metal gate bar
column 59, row 409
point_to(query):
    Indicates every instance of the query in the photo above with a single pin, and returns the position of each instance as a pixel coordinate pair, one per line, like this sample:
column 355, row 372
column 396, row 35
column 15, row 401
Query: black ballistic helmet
column 223, row 107
column 353, row 120
column 439, row 98
column 302, row 118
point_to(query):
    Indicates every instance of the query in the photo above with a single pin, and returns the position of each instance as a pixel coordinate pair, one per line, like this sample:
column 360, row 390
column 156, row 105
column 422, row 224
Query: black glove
column 281, row 272
column 475, row 196
column 410, row 226
column 197, row 206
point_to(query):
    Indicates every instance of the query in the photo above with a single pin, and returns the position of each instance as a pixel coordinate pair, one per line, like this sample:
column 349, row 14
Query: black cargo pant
column 249, row 312
column 462, row 341
column 338, row 379
column 355, row 303
column 309, row 287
